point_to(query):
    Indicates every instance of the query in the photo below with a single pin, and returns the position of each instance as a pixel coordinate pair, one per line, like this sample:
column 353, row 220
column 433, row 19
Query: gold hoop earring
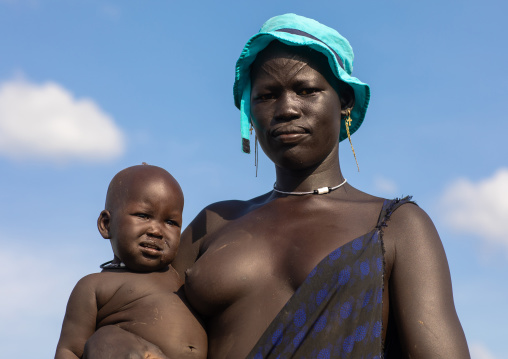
column 348, row 121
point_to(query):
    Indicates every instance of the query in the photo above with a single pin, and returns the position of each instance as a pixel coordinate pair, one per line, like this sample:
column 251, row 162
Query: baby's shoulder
column 87, row 287
column 108, row 282
column 90, row 280
column 98, row 283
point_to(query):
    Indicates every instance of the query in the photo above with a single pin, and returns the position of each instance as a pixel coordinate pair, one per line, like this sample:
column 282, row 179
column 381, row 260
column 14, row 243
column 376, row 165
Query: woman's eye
column 307, row 91
column 266, row 97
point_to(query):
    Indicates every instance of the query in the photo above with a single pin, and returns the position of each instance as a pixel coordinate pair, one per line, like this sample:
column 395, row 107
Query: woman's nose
column 287, row 107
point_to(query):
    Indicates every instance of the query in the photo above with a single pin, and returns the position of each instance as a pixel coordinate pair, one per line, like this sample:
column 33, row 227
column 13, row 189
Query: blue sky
column 89, row 87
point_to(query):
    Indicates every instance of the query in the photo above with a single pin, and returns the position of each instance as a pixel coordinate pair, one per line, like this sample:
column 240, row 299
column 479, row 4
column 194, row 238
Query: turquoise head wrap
column 295, row 30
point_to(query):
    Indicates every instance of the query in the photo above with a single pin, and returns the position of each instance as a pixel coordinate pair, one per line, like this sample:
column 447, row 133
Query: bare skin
column 243, row 260
column 142, row 219
column 150, row 305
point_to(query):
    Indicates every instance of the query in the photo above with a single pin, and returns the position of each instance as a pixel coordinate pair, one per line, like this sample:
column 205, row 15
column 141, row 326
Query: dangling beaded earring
column 256, row 153
column 348, row 121
column 255, row 148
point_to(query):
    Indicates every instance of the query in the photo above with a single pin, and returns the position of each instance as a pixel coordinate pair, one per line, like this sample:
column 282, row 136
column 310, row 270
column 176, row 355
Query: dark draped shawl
column 337, row 311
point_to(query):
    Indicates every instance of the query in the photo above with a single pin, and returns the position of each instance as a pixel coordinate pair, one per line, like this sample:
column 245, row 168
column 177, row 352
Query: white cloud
column 479, row 351
column 479, row 208
column 46, row 121
column 385, row 185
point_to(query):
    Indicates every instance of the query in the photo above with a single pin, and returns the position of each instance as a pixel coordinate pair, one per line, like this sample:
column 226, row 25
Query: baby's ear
column 103, row 223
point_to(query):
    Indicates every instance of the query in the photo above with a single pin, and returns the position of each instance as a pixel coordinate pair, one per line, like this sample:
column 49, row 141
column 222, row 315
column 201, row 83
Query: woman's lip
column 282, row 130
column 288, row 132
column 291, row 137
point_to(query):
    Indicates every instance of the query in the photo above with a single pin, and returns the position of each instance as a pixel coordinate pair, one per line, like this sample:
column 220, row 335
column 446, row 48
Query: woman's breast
column 234, row 265
column 254, row 258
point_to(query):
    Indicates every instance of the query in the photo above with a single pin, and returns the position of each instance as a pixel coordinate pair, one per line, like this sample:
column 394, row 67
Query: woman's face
column 295, row 111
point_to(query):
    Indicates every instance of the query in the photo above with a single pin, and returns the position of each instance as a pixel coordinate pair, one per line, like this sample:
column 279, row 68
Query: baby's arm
column 80, row 319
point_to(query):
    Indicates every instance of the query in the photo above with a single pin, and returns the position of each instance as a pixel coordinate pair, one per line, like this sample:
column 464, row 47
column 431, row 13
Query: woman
column 314, row 268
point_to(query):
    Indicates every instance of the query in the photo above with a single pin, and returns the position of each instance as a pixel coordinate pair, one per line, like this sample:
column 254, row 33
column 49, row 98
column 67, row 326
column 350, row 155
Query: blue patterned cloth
column 337, row 311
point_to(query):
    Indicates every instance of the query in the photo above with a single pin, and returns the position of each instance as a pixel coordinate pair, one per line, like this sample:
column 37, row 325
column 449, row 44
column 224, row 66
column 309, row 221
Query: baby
column 138, row 291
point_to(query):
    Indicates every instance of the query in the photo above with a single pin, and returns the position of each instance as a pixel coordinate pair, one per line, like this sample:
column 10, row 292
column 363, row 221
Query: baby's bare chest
column 140, row 299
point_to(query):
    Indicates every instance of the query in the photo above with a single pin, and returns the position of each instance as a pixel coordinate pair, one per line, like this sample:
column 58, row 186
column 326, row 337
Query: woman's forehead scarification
column 283, row 62
column 282, row 68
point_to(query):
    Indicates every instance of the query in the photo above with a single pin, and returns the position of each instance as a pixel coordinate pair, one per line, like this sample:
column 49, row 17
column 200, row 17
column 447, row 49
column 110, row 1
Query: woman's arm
column 420, row 288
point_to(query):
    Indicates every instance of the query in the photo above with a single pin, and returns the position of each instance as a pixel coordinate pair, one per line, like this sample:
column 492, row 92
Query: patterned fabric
column 337, row 311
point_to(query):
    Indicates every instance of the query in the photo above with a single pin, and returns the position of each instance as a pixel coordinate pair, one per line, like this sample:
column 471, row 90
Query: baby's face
column 145, row 227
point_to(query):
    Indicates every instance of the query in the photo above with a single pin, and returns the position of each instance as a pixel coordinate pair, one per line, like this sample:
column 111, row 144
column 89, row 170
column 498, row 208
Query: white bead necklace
column 322, row 190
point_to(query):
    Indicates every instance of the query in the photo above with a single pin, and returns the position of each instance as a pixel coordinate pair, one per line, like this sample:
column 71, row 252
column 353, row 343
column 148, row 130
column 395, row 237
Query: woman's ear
column 347, row 97
column 103, row 223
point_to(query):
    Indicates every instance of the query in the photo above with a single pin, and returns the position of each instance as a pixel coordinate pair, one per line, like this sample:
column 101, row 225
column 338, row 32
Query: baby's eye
column 141, row 215
column 172, row 223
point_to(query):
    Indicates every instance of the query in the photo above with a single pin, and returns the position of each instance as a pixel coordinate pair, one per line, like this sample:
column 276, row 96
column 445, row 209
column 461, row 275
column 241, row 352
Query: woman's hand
column 113, row 342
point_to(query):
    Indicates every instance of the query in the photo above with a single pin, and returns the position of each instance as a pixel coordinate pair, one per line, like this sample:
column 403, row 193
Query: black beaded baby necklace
column 322, row 190
column 111, row 265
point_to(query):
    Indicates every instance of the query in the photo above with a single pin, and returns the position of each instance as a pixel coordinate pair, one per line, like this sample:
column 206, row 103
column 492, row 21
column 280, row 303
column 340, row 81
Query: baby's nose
column 155, row 231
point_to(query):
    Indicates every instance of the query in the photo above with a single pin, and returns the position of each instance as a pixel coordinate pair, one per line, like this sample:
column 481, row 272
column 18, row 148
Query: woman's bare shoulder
column 410, row 221
column 224, row 211
column 208, row 221
column 409, row 229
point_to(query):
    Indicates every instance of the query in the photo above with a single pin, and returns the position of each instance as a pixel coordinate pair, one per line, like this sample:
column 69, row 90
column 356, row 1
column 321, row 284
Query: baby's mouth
column 150, row 247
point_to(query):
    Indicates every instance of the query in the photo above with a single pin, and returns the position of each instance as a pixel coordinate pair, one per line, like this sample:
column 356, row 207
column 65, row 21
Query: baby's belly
column 165, row 321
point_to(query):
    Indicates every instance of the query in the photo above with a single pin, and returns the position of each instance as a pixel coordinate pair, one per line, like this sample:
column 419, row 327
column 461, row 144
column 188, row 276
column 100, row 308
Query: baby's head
column 143, row 218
